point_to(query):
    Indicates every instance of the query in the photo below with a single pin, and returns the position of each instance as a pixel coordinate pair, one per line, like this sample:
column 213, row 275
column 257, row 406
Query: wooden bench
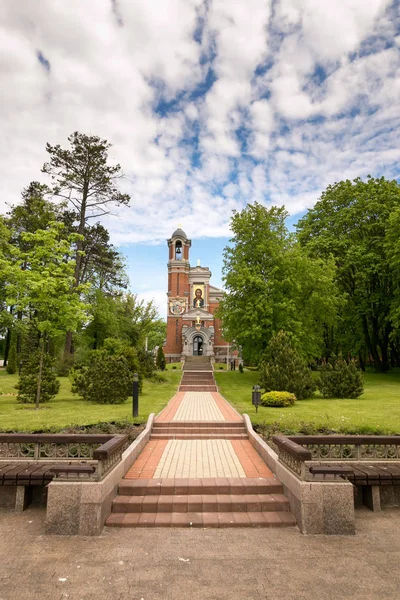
column 31, row 461
column 370, row 463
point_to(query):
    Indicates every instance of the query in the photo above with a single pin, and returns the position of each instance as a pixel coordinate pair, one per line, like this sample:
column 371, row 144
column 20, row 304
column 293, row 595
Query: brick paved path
column 200, row 469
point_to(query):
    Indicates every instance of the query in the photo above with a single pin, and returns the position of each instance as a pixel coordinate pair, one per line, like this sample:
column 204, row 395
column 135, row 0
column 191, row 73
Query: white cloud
column 303, row 95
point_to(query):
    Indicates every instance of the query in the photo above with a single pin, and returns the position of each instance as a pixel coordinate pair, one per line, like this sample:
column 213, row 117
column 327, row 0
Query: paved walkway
column 200, row 564
column 198, row 458
column 198, row 406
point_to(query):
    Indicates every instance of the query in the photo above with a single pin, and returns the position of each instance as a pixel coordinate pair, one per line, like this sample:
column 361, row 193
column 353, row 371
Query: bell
column 178, row 250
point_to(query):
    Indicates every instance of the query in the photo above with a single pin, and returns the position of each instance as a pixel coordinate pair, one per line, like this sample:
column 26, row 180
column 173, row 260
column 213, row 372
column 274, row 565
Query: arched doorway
column 198, row 346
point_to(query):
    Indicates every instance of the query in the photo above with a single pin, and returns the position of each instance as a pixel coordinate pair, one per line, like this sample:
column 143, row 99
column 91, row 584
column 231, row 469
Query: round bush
column 174, row 367
column 278, row 399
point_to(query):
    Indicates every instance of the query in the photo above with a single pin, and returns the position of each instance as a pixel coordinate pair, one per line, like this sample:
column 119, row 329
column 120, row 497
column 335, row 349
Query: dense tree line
column 63, row 285
column 334, row 285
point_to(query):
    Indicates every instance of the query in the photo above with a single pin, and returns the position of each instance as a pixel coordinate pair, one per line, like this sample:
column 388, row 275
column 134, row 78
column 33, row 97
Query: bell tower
column 178, row 292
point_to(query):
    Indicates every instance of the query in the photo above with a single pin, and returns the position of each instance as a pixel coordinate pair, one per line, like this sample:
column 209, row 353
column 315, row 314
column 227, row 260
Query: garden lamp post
column 135, row 395
column 256, row 397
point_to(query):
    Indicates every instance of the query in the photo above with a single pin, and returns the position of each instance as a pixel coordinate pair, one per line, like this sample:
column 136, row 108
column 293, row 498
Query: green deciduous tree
column 272, row 284
column 283, row 368
column 42, row 289
column 352, row 223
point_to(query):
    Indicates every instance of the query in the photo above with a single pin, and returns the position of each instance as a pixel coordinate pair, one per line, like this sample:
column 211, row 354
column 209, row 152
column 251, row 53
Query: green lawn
column 376, row 411
column 68, row 410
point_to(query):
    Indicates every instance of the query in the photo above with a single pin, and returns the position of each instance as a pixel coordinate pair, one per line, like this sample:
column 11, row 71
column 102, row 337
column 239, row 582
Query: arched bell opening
column 178, row 250
column 198, row 343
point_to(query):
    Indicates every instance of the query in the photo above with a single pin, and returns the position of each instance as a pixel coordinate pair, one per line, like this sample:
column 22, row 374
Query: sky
column 208, row 105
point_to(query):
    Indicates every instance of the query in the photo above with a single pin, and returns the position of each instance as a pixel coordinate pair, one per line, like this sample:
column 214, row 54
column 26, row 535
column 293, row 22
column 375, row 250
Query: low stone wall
column 81, row 508
column 319, row 507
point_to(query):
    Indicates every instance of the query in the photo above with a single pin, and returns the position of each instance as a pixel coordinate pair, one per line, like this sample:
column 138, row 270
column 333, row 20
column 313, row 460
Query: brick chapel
column 192, row 328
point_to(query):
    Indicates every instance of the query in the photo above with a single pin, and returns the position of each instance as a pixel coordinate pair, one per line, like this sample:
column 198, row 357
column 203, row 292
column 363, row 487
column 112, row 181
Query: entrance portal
column 198, row 346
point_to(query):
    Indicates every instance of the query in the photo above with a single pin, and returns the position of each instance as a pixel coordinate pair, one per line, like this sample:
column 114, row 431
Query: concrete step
column 201, row 503
column 211, row 485
column 205, row 519
column 199, row 436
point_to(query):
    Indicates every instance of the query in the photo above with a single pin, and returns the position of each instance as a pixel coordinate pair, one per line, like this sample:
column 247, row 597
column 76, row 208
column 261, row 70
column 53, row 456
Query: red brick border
column 146, row 464
column 168, row 413
column 228, row 412
column 252, row 463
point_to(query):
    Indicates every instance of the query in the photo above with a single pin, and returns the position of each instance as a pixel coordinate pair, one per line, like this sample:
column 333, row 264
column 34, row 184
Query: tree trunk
column 78, row 262
column 372, row 346
column 7, row 347
column 385, row 349
column 39, row 383
column 361, row 360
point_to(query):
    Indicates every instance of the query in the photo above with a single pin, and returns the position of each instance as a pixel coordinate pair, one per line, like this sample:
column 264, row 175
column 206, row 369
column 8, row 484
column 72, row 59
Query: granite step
column 197, row 424
column 201, row 503
column 198, row 388
column 201, row 430
column 199, row 436
column 207, row 485
column 212, row 519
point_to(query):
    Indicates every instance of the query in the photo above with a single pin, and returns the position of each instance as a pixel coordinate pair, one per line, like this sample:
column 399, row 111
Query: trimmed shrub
column 107, row 378
column 11, row 367
column 284, row 370
column 278, row 399
column 160, row 360
column 339, row 379
column 240, row 368
column 174, row 367
column 28, row 382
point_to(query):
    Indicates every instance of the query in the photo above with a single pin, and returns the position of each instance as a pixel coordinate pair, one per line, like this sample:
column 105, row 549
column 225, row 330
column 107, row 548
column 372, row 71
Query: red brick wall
column 218, row 339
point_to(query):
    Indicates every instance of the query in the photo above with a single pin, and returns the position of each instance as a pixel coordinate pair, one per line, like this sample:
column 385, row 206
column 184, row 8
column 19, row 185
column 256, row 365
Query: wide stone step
column 199, row 430
column 199, row 436
column 207, row 485
column 198, row 375
column 198, row 388
column 197, row 424
column 205, row 519
column 201, row 503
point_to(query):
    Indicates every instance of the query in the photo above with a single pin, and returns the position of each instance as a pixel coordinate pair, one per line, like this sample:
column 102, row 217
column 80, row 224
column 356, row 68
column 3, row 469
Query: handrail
column 104, row 451
column 344, row 439
column 55, row 438
column 296, row 450
column 291, row 447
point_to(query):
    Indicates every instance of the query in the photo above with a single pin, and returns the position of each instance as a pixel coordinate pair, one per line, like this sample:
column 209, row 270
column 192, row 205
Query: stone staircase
column 201, row 430
column 217, row 502
column 198, row 375
column 197, row 363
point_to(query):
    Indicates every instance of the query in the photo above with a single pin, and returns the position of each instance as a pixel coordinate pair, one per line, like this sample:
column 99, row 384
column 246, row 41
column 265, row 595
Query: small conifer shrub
column 283, row 369
column 28, row 382
column 106, row 379
column 340, row 379
column 160, row 360
column 12, row 360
